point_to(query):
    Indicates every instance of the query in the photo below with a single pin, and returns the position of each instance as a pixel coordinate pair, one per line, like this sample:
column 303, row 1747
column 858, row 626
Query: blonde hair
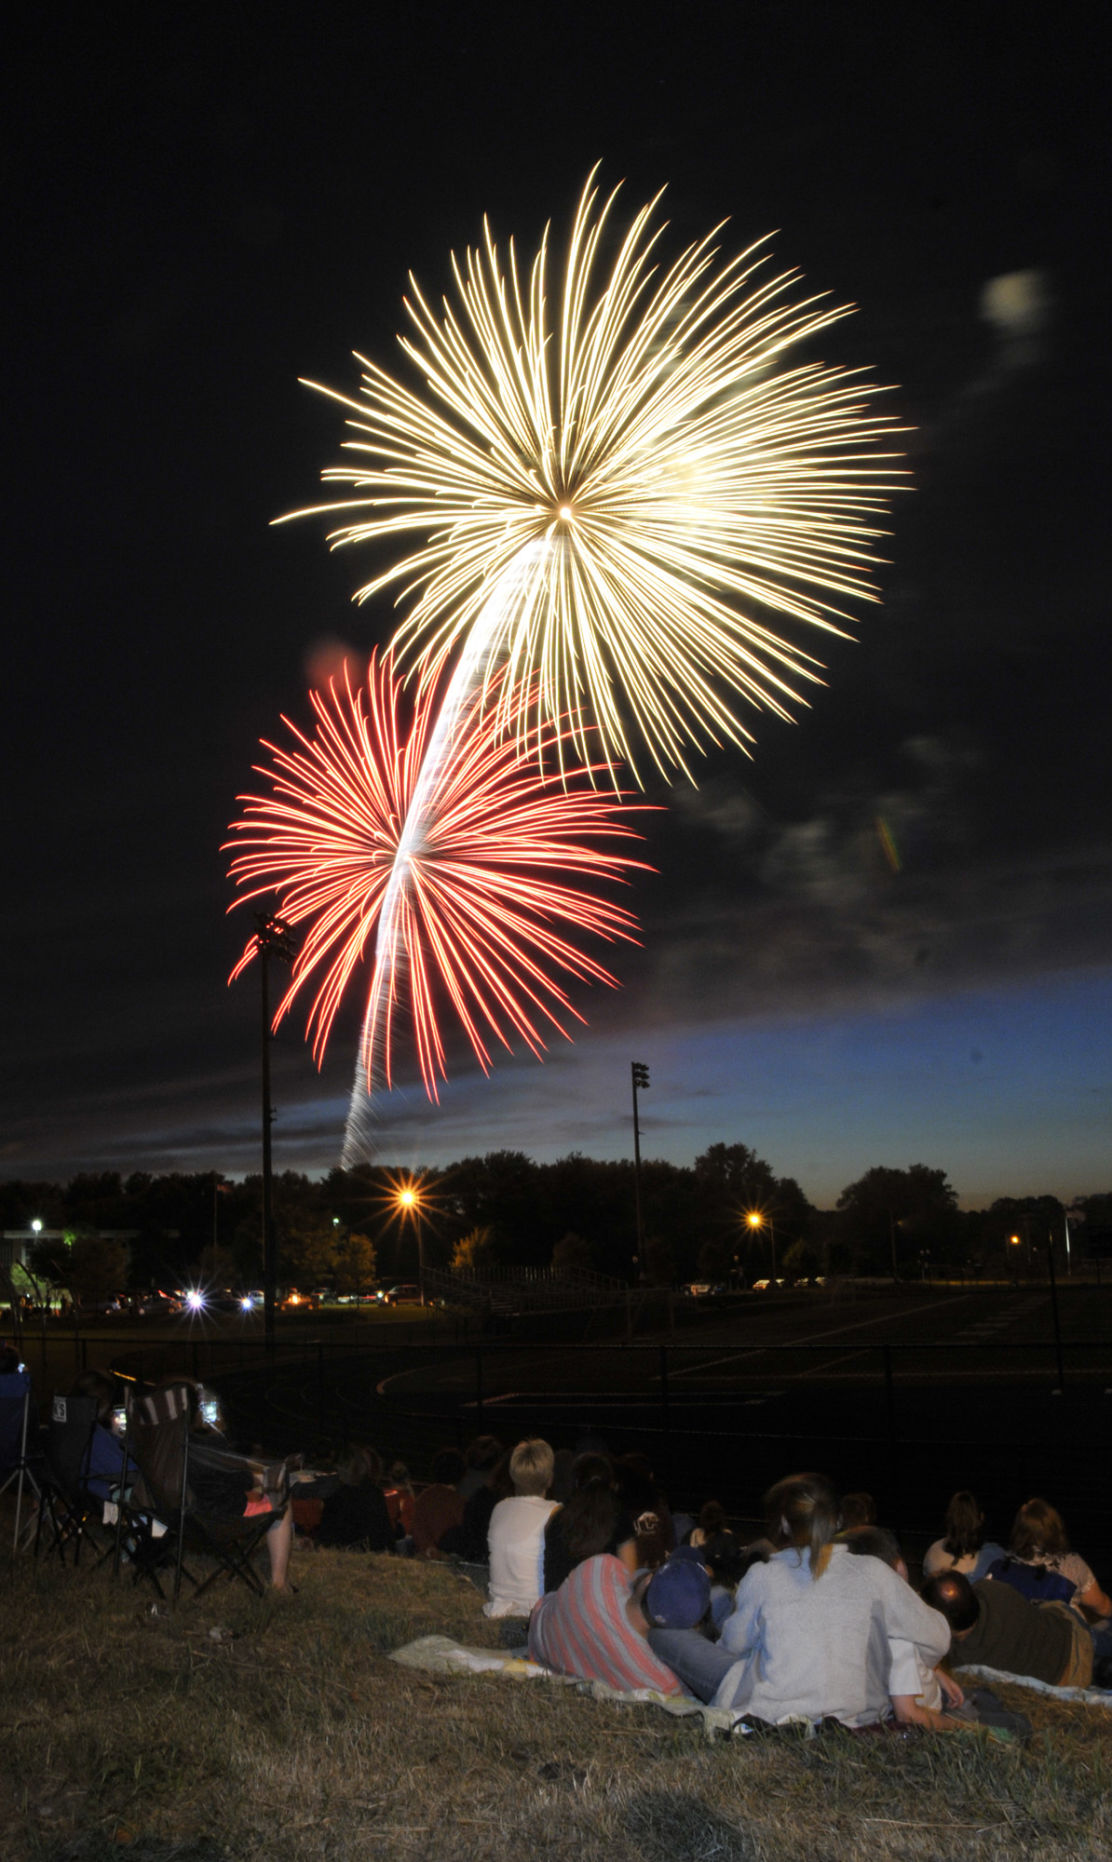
column 532, row 1465
column 802, row 1511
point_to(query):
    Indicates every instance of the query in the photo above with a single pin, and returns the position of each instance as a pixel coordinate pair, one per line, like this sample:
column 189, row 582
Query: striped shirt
column 582, row 1629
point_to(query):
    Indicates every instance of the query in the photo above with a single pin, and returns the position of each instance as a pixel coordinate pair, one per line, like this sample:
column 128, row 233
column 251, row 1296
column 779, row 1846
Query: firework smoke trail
column 470, row 675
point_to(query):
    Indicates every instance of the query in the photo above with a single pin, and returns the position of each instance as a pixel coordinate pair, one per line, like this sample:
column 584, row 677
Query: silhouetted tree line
column 504, row 1209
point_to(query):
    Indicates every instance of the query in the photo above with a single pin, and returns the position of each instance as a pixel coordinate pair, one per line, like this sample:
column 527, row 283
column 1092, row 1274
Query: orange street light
column 756, row 1220
column 409, row 1203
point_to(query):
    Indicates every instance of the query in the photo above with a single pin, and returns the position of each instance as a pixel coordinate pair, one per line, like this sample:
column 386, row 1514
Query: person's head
column 9, row 1360
column 965, row 1525
column 1038, row 1529
column 857, row 1509
column 447, row 1467
column 724, row 1558
column 103, row 1391
column 483, row 1453
column 531, row 1466
column 874, row 1542
column 712, row 1519
column 589, row 1520
column 399, row 1475
column 677, row 1596
column 953, row 1596
column 591, row 1466
column 802, row 1511
column 633, row 1478
column 357, row 1464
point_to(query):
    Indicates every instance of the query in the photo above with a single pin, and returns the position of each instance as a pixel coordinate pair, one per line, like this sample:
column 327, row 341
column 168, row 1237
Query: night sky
column 210, row 203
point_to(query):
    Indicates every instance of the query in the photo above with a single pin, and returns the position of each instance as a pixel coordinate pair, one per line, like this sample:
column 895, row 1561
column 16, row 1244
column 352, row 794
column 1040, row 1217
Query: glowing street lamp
column 757, row 1221
column 409, row 1203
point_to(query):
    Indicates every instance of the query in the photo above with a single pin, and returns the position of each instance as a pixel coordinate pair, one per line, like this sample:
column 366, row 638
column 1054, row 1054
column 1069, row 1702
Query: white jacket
column 811, row 1647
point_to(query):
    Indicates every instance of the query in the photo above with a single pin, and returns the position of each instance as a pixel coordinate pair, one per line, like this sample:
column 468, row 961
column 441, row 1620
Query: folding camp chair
column 175, row 1467
column 71, row 1512
column 20, row 1459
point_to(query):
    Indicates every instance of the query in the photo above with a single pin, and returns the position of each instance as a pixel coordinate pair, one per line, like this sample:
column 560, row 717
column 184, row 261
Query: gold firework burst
column 623, row 490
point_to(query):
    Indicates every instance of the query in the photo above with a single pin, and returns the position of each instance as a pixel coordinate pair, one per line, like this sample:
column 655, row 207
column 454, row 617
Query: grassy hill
column 235, row 1728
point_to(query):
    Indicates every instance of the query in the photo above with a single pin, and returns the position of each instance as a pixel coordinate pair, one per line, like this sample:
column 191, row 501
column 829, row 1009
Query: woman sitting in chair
column 227, row 1487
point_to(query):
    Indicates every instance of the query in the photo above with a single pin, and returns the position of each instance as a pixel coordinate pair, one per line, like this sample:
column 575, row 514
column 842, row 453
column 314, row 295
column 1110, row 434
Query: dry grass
column 292, row 1738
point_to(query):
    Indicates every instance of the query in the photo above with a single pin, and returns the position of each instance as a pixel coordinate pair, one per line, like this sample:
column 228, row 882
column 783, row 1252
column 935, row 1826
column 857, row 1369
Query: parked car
column 406, row 1294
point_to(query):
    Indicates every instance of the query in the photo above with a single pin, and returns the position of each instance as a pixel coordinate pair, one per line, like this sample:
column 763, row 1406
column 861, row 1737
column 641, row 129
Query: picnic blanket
column 442, row 1655
column 1088, row 1696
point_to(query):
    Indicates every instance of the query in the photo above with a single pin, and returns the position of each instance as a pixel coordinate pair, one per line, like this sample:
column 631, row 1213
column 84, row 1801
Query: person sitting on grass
column 439, row 1506
column 516, row 1537
column 1039, row 1546
column 711, row 1520
column 963, row 1546
column 641, row 1497
column 592, row 1521
column 354, row 1513
column 994, row 1627
column 481, row 1457
column 400, row 1501
column 727, row 1561
column 468, row 1540
column 919, row 1694
column 596, row 1626
column 809, row 1636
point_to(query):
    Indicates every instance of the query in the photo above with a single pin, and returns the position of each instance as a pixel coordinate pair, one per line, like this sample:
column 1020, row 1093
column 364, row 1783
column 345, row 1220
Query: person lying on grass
column 993, row 1626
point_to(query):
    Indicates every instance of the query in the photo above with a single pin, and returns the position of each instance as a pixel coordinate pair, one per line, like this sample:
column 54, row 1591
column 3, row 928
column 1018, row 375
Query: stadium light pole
column 756, row 1220
column 409, row 1203
column 273, row 938
column 639, row 1076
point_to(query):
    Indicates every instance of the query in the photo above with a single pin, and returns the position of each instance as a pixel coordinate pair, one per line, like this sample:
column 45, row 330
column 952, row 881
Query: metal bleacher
column 522, row 1289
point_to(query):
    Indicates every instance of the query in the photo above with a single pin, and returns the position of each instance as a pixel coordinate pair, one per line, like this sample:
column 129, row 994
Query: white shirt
column 516, row 1544
column 910, row 1674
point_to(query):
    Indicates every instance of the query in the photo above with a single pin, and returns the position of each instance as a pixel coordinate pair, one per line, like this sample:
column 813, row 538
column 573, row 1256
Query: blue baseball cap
column 678, row 1595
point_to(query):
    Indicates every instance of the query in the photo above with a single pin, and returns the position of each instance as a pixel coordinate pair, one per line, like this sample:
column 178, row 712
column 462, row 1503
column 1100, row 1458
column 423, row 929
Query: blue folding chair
column 20, row 1459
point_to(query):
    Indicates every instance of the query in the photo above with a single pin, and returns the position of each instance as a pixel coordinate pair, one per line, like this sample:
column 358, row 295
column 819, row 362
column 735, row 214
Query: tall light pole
column 894, row 1222
column 639, row 1075
column 273, row 938
column 756, row 1220
column 409, row 1203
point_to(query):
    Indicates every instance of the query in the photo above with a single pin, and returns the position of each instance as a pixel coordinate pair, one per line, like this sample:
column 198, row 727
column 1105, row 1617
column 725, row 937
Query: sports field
column 909, row 1393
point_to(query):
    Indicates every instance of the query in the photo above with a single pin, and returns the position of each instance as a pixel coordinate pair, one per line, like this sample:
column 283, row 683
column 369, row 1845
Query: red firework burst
column 442, row 856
